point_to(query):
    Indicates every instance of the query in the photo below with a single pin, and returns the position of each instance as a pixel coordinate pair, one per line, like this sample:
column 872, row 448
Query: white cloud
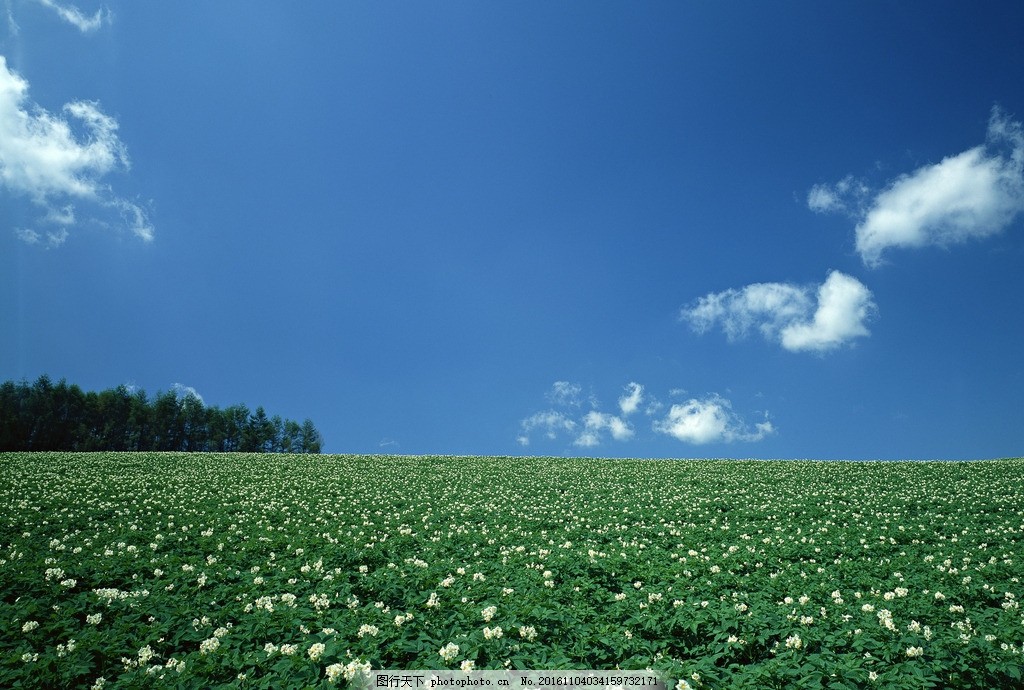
column 629, row 402
column 76, row 18
column 821, row 199
column 564, row 393
column 550, row 422
column 844, row 304
column 42, row 157
column 970, row 195
column 824, row 198
column 52, row 239
column 12, row 26
column 135, row 218
column 710, row 420
column 40, row 154
column 182, row 391
column 595, row 422
column 587, row 430
column 696, row 421
column 61, row 216
column 787, row 313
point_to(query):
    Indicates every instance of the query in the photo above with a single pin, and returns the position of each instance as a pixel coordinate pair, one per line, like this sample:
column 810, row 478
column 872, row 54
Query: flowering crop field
column 201, row 570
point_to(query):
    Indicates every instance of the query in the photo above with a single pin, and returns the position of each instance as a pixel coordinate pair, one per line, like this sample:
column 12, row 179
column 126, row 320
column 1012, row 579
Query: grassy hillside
column 199, row 570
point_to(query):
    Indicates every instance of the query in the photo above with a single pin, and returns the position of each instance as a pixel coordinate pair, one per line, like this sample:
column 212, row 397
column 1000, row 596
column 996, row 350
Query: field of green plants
column 259, row 571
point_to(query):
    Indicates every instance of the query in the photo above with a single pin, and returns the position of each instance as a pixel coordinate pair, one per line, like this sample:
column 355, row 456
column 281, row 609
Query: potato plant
column 125, row 570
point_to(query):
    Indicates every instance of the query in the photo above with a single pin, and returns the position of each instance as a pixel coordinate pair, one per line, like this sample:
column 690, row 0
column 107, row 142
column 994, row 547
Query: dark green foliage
column 48, row 416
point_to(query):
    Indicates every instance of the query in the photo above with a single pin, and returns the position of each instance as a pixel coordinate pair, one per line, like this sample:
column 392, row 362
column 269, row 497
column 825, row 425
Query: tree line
column 49, row 416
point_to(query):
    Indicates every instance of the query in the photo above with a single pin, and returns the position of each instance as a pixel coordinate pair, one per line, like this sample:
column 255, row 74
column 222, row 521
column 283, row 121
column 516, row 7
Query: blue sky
column 680, row 229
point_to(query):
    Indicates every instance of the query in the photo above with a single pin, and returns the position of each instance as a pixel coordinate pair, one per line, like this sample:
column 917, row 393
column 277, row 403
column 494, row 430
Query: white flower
column 449, row 651
column 29, row 626
column 270, row 648
column 145, row 654
column 335, row 671
column 207, row 646
column 370, row 630
column 289, row 649
column 914, row 651
column 493, row 633
column 683, row 685
column 527, row 632
column 316, row 650
column 354, row 667
column 94, row 619
column 433, row 601
column 467, row 665
column 794, row 642
column 488, row 613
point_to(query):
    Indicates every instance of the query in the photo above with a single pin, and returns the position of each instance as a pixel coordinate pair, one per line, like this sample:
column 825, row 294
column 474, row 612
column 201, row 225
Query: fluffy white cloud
column 789, row 314
column 594, row 423
column 588, row 429
column 76, row 18
column 697, row 421
column 550, row 422
column 844, row 304
column 629, row 402
column 43, row 158
column 710, row 420
column 40, row 154
column 970, row 195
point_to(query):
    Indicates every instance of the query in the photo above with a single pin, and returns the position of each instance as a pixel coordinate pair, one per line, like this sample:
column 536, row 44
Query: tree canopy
column 49, row 416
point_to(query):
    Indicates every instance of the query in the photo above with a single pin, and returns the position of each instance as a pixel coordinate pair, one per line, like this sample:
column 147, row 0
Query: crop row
column 199, row 570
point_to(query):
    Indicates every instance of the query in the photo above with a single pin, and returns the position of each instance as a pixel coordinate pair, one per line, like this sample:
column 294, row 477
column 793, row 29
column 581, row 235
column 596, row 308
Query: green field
column 201, row 570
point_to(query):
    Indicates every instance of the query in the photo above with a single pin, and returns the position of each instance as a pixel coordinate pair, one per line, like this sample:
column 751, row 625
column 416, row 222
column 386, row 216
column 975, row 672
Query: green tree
column 310, row 440
column 48, row 416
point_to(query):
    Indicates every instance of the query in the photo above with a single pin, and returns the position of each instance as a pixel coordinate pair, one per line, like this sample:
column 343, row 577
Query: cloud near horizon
column 788, row 314
column 696, row 421
column 710, row 420
column 43, row 158
column 970, row 195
